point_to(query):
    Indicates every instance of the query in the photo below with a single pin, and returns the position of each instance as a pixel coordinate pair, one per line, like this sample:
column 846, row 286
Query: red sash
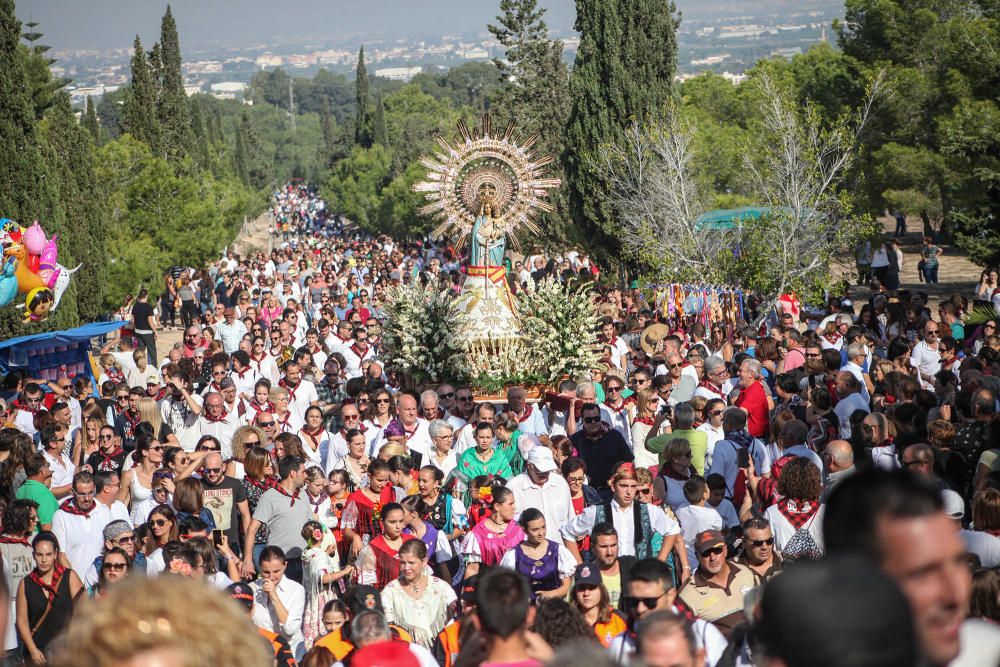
column 70, row 508
column 386, row 560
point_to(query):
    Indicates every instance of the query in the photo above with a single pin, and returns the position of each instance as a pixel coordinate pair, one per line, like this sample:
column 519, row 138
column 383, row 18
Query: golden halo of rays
column 457, row 172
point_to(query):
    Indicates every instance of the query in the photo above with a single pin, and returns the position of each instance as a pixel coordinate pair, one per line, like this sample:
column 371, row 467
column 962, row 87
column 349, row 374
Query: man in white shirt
column 926, row 357
column 851, row 400
column 855, row 359
column 537, row 487
column 301, row 393
column 529, row 417
column 357, row 353
column 619, row 350
column 418, row 438
column 279, row 602
column 230, row 331
column 216, row 422
column 107, row 484
column 79, row 526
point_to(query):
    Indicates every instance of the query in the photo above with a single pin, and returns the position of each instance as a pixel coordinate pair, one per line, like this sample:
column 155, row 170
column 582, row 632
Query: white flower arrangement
column 559, row 325
column 422, row 332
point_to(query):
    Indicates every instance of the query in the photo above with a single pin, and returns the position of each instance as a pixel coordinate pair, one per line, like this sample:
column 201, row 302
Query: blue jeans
column 930, row 272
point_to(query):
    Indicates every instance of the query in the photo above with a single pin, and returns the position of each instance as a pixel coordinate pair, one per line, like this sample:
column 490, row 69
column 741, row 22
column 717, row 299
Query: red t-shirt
column 754, row 401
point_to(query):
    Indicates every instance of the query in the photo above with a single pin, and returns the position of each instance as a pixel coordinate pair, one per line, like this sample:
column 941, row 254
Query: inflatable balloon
column 26, row 280
column 38, row 304
column 47, row 260
column 34, row 239
column 8, row 282
column 62, row 282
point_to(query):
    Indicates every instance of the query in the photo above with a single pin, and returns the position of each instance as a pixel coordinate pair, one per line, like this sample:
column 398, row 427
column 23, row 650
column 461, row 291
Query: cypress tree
column 140, row 105
column 200, row 134
column 380, row 133
column 240, row 163
column 175, row 122
column 72, row 161
column 623, row 72
column 329, row 140
column 256, row 169
column 90, row 121
column 362, row 120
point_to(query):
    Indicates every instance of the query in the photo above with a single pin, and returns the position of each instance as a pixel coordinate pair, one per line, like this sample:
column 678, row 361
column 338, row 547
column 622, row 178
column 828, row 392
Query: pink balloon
column 49, row 252
column 34, row 239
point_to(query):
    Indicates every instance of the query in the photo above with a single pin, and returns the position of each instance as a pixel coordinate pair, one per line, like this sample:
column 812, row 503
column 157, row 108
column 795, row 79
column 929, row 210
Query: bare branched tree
column 796, row 173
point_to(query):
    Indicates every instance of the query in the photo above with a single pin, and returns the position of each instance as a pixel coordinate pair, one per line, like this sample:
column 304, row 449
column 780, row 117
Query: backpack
column 802, row 545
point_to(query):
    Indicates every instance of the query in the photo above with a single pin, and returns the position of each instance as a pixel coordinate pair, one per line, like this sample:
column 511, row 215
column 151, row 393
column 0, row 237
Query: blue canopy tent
column 729, row 218
column 48, row 355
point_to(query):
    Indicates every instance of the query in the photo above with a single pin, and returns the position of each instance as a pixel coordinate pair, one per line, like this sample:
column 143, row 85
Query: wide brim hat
column 652, row 336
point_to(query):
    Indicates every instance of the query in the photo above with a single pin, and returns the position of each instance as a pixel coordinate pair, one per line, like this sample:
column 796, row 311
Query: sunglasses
column 265, row 424
column 465, row 399
column 120, row 398
column 673, row 366
column 116, row 567
column 714, row 551
column 631, row 602
column 212, row 471
column 159, row 523
column 382, row 401
column 105, row 438
column 346, row 417
column 446, row 395
column 208, row 448
column 614, row 389
column 591, row 420
column 157, row 448
column 759, row 543
column 125, row 539
column 252, row 442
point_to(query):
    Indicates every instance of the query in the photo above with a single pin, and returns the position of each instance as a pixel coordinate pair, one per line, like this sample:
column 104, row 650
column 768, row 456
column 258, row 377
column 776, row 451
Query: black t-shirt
column 142, row 313
column 221, row 501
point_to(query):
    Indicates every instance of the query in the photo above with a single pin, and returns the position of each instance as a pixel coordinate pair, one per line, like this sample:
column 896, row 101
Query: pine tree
column 362, row 122
column 329, row 138
column 535, row 93
column 624, row 71
column 380, row 133
column 175, row 121
column 140, row 105
column 257, row 170
column 44, row 86
column 90, row 121
column 28, row 190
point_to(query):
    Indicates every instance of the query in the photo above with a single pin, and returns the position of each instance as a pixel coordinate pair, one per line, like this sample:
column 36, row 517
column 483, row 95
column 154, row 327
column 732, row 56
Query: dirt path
column 956, row 273
column 255, row 237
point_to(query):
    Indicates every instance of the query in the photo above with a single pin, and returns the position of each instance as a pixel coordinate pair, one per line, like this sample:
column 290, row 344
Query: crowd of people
column 823, row 490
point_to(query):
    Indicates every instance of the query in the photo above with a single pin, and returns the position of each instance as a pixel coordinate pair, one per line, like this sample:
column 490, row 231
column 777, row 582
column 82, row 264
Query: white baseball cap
column 954, row 505
column 541, row 457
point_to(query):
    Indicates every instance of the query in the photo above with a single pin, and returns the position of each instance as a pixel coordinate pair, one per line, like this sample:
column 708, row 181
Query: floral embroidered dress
column 316, row 563
column 361, row 514
column 486, row 547
column 423, row 618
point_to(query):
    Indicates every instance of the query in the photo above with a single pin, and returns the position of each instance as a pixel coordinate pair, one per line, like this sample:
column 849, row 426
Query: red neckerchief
column 130, row 420
column 833, row 338
column 108, row 459
column 215, row 420
column 316, row 503
column 280, row 489
column 70, row 508
column 617, row 411
column 116, row 375
column 361, row 353
column 284, row 422
column 267, row 483
column 259, row 360
column 523, row 417
column 242, row 373
column 611, row 341
column 318, row 348
column 312, row 436
column 57, row 575
column 361, row 427
column 410, row 434
column 648, row 421
column 160, row 395
column 23, row 407
column 707, row 384
column 291, row 389
column 798, row 512
column 215, row 387
column 341, row 339
column 7, row 539
column 257, row 408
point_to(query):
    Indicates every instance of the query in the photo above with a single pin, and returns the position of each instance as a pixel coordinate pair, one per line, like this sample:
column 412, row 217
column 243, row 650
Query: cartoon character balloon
column 34, row 241
column 32, row 269
column 38, row 304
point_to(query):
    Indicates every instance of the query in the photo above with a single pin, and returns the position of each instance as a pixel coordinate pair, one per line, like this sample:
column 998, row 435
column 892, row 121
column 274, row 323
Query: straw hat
column 652, row 336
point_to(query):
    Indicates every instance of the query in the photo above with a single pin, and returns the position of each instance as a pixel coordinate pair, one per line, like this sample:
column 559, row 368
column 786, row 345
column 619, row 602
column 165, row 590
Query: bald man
column 225, row 498
column 839, row 459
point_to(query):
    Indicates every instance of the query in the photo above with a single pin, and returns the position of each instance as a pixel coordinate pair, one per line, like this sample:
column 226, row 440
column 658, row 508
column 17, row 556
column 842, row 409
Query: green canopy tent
column 729, row 218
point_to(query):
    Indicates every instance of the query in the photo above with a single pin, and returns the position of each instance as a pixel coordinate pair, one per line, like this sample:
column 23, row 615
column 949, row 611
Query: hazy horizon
column 206, row 24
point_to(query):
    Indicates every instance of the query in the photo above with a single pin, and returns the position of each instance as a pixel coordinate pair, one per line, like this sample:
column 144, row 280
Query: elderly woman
column 284, row 418
column 443, row 456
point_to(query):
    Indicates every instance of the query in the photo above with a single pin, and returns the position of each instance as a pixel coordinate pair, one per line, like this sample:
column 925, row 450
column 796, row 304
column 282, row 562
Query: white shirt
column 695, row 519
column 619, row 351
column 533, row 422
column 222, row 430
column 446, row 465
column 858, row 372
column 714, row 435
column 266, row 368
column 926, row 360
column 245, row 382
column 62, row 469
column 353, row 360
column 623, row 521
column 552, row 499
column 293, row 597
column 301, row 398
column 783, row 529
column 81, row 538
